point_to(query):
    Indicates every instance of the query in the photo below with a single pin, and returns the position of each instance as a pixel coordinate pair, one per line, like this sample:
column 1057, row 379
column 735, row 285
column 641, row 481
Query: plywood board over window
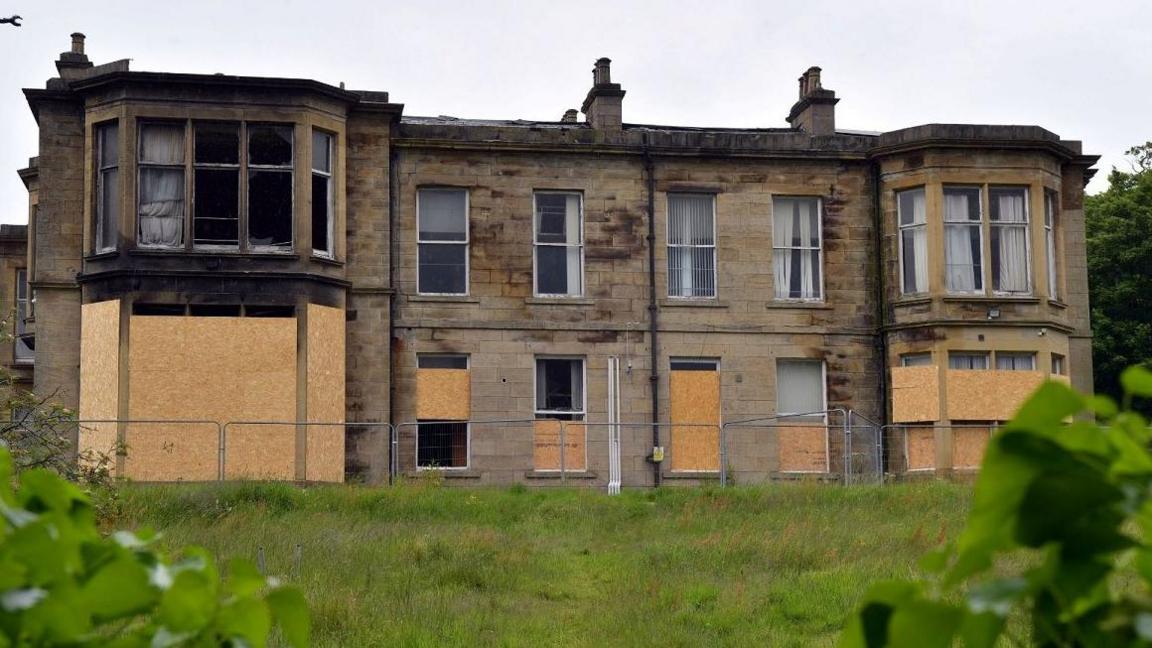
column 443, row 394
column 989, row 395
column 546, row 444
column 695, row 415
column 968, row 445
column 915, row 394
column 99, row 376
column 325, row 446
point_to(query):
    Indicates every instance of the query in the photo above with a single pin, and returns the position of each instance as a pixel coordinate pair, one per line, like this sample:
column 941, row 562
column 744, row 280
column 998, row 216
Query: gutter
column 653, row 314
column 881, row 328
column 393, row 250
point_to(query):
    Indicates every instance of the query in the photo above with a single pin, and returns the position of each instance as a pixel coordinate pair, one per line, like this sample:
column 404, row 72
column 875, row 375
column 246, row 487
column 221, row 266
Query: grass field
column 421, row 565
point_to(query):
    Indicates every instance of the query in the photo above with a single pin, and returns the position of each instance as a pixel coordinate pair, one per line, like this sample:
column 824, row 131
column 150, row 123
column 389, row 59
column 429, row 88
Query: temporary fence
column 291, row 450
column 929, row 447
column 786, row 446
column 863, row 450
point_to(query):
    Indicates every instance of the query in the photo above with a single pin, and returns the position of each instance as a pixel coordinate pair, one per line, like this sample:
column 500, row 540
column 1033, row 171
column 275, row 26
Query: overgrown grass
column 419, row 565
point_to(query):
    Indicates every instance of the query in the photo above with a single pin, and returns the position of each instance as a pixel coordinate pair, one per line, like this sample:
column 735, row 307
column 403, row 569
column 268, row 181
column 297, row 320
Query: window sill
column 446, row 473
column 555, row 474
column 693, row 303
column 993, row 299
column 1056, row 303
column 107, row 254
column 452, row 299
column 691, row 474
column 788, row 304
column 560, row 301
column 911, row 301
column 327, row 260
column 203, row 253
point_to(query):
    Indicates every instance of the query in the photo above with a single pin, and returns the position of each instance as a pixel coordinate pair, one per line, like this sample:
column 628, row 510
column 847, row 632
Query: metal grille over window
column 796, row 233
column 161, row 190
column 322, row 211
column 107, row 187
column 963, row 240
column 1009, row 239
column 270, row 186
column 442, row 216
column 216, row 196
column 559, row 244
column 443, row 404
column 977, row 361
column 691, row 245
column 913, row 241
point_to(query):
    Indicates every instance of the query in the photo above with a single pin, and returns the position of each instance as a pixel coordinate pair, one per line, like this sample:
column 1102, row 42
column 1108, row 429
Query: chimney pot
column 77, row 43
column 570, row 116
column 602, row 73
column 815, row 112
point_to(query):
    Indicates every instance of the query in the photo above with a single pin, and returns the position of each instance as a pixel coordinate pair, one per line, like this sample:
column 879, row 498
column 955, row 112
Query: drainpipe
column 881, row 293
column 393, row 245
column 653, row 310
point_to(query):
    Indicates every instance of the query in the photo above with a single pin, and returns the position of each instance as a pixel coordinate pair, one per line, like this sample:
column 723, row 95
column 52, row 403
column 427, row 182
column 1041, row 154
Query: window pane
column 799, row 386
column 217, row 143
column 1015, row 361
column 109, row 216
column 1009, row 258
column 690, row 219
column 796, row 222
column 1008, row 204
column 911, row 206
column 559, row 385
column 552, row 269
column 109, row 143
column 442, row 268
column 962, row 258
column 426, row 361
column 161, row 207
column 443, row 215
column 916, row 360
column 961, row 204
column 270, row 145
column 270, row 208
column 552, row 219
column 216, row 203
column 321, row 212
column 690, row 272
column 978, row 361
column 321, row 151
column 914, row 251
column 161, row 144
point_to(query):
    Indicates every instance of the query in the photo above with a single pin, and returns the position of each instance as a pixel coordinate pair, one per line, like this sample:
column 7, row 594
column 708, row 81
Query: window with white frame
column 442, row 443
column 442, row 226
column 796, row 248
column 1050, row 243
column 1015, row 361
column 800, row 389
column 913, row 225
column 559, row 244
column 963, row 240
column 560, row 388
column 241, row 185
column 322, row 206
column 107, row 230
column 22, row 352
column 968, row 360
column 916, row 360
column 1058, row 367
column 691, row 245
column 1008, row 222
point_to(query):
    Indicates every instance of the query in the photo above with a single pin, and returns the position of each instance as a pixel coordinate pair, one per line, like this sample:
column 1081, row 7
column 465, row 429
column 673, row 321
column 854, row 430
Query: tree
column 1119, row 230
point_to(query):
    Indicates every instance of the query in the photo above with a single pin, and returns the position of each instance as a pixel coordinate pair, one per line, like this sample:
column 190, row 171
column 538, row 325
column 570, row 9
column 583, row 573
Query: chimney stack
column 71, row 64
column 569, row 116
column 77, row 43
column 603, row 106
column 815, row 112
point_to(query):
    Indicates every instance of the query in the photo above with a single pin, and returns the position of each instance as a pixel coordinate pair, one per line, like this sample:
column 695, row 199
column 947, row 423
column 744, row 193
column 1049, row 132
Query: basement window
column 322, row 217
column 1014, row 361
column 560, row 388
column 442, row 241
column 800, row 389
column 559, row 238
column 968, row 360
column 916, row 360
column 442, row 444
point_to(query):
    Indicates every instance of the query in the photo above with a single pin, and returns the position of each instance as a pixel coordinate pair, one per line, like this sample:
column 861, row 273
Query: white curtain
column 796, row 239
column 1013, row 244
column 914, row 238
column 960, row 263
column 161, row 188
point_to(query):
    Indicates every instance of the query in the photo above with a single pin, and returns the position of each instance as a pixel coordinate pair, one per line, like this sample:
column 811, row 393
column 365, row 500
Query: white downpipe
column 613, row 425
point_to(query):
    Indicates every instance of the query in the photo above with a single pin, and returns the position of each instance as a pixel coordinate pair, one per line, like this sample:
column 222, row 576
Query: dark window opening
column 443, row 269
column 322, row 210
column 270, row 208
column 214, row 310
column 169, row 310
column 270, row 145
column 442, row 444
column 559, row 388
column 253, row 310
column 216, row 219
column 694, row 365
column 424, row 361
column 217, row 143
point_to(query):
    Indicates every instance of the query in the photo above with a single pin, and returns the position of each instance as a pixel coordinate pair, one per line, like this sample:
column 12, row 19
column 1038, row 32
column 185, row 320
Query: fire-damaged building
column 279, row 278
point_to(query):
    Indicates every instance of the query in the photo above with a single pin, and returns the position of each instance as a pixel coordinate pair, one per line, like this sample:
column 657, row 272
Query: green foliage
column 63, row 583
column 1060, row 532
column 1118, row 223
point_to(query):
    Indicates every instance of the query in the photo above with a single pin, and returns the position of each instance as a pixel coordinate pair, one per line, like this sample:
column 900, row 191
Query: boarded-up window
column 691, row 245
column 694, row 408
column 559, row 240
column 443, row 406
column 559, row 405
column 442, row 235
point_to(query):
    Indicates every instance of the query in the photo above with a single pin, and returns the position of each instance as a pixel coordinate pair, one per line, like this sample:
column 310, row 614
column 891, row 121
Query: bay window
column 161, row 187
column 107, row 228
column 796, row 248
column 691, row 245
column 1050, row 242
column 322, row 217
column 913, row 225
column 963, row 240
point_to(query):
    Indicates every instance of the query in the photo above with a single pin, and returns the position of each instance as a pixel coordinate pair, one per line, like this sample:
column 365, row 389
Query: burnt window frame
column 189, row 165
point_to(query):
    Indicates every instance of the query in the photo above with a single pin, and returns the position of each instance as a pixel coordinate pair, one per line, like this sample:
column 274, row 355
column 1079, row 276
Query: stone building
column 218, row 249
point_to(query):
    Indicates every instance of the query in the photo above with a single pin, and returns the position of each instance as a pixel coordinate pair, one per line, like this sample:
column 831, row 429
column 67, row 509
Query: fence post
column 223, row 430
column 723, row 457
column 847, row 447
column 562, row 449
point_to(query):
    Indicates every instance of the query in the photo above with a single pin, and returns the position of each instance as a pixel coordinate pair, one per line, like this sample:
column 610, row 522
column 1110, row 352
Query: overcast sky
column 1081, row 70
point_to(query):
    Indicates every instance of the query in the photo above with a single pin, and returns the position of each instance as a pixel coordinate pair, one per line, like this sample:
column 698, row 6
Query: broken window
column 968, row 360
column 270, row 186
column 800, row 389
column 107, row 187
column 963, row 240
column 1015, row 361
column 441, row 442
column 913, row 222
column 1009, row 239
column 691, row 245
column 322, row 217
column 442, row 224
column 161, row 190
column 23, row 352
column 796, row 248
column 560, row 388
column 216, row 195
column 559, row 244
